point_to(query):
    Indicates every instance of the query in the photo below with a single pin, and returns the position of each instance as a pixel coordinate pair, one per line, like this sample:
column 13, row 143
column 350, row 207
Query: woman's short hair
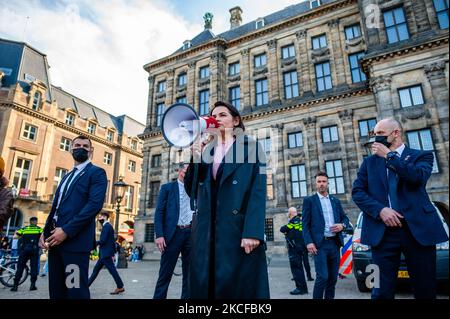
column 233, row 111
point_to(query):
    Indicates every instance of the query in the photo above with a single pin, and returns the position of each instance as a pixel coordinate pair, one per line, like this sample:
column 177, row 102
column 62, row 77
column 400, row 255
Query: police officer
column 298, row 255
column 29, row 250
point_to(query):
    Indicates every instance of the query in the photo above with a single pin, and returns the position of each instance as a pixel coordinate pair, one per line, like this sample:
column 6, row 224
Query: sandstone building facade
column 317, row 76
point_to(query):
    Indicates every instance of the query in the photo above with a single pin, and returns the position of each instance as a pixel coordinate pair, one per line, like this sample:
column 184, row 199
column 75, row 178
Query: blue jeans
column 327, row 269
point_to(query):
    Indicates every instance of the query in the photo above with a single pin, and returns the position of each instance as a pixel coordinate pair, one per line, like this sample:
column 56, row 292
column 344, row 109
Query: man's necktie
column 69, row 179
column 393, row 184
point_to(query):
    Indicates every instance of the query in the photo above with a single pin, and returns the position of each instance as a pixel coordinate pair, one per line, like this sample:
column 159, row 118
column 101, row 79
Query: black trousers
column 109, row 264
column 297, row 268
column 68, row 274
column 31, row 254
column 180, row 243
column 420, row 260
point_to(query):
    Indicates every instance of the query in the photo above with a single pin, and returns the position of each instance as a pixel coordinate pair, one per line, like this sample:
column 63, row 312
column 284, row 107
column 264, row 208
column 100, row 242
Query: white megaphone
column 181, row 125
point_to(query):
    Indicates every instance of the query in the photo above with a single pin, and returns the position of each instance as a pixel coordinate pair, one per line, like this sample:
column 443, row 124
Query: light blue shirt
column 79, row 168
column 328, row 216
column 399, row 150
column 185, row 217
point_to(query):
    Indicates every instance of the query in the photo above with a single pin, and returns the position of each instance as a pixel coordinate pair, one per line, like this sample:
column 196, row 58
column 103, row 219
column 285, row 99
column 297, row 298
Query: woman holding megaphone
column 227, row 258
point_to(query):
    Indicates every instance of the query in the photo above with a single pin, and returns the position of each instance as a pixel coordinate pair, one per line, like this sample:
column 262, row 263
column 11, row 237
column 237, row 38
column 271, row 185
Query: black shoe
column 296, row 291
column 33, row 287
column 14, row 288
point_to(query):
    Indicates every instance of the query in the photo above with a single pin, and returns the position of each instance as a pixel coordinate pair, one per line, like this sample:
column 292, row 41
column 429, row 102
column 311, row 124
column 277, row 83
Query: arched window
column 36, row 100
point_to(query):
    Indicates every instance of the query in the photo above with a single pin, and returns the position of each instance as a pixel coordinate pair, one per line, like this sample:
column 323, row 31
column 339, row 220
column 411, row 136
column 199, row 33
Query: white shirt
column 399, row 150
column 80, row 168
column 327, row 214
column 185, row 217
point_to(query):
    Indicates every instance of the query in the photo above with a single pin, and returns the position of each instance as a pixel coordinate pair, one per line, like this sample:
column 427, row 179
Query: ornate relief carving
column 380, row 83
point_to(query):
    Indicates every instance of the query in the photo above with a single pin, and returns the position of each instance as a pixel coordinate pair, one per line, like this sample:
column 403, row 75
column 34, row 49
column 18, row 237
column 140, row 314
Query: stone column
column 312, row 154
column 278, row 174
column 170, row 88
column 381, row 87
column 420, row 14
column 217, row 86
column 371, row 17
column 337, row 56
column 191, row 79
column 145, row 191
column 303, row 64
column 273, row 78
column 436, row 76
column 150, row 111
column 352, row 165
column 245, row 79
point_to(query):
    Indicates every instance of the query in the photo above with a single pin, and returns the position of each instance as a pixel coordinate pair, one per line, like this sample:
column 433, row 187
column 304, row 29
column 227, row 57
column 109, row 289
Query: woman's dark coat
column 240, row 213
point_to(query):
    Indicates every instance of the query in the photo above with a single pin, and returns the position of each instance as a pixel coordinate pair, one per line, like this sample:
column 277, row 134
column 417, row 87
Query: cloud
column 96, row 49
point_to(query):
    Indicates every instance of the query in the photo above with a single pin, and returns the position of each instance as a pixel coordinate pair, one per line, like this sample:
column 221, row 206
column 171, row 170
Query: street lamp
column 119, row 188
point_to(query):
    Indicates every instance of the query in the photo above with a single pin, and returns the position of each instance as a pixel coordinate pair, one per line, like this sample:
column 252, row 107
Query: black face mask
column 80, row 155
column 101, row 221
column 383, row 140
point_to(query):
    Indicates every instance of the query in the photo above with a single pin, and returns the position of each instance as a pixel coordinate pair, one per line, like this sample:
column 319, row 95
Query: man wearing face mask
column 398, row 215
column 107, row 249
column 69, row 231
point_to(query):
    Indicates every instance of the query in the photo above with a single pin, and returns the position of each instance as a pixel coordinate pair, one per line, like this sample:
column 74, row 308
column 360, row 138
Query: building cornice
column 220, row 42
column 397, row 52
column 69, row 128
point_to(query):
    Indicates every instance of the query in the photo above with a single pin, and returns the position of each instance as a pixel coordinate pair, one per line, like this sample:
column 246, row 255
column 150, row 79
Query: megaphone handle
column 193, row 194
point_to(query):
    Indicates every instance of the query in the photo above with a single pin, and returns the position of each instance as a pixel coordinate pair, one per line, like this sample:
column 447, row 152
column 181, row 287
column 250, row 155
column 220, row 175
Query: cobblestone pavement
column 140, row 279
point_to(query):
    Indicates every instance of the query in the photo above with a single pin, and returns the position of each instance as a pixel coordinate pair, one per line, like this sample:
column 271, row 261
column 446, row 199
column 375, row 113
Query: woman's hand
column 249, row 244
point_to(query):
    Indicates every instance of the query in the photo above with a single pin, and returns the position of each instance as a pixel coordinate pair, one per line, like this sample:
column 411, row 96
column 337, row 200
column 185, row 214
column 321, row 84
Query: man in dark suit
column 323, row 223
column 173, row 217
column 69, row 231
column 398, row 215
column 107, row 250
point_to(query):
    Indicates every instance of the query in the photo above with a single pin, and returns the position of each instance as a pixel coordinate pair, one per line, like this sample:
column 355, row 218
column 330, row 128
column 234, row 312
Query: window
column 323, row 76
column 29, row 132
column 110, row 135
column 107, row 158
column 295, row 139
column 352, row 32
column 330, row 134
column 423, row 140
column 161, row 86
column 160, row 108
column 290, row 84
column 268, row 229
column 132, row 166
column 298, row 181
column 59, row 174
column 64, row 145
column 108, row 186
column 441, row 7
column 204, row 72
column 70, row 119
column 134, row 145
column 154, row 190
column 288, row 52
column 235, row 97
column 36, row 100
column 366, row 126
column 260, row 60
column 204, row 102
column 129, row 198
column 266, row 144
column 22, row 173
column 319, row 42
column 182, row 99
column 314, row 3
column 149, row 233
column 355, row 67
column 156, row 160
column 234, row 68
column 91, row 128
column 182, row 79
column 395, row 22
column 262, row 93
column 186, row 44
column 259, row 23
column 335, row 177
column 411, row 96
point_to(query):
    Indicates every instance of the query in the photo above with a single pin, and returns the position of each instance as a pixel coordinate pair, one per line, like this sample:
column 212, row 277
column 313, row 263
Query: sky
column 96, row 49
